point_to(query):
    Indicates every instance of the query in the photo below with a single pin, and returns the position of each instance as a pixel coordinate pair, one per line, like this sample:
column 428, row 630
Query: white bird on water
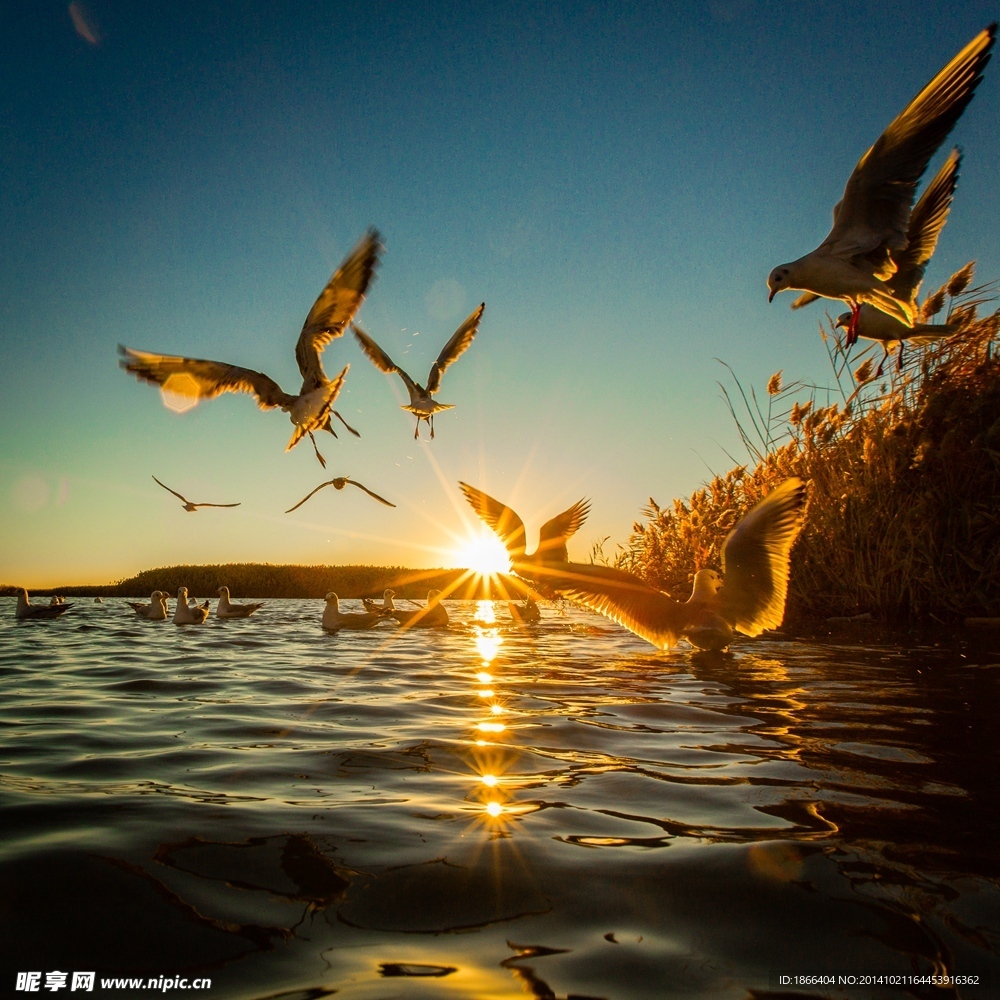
column 421, row 403
column 310, row 410
column 226, row 609
column 386, row 605
column 155, row 611
column 926, row 222
column 26, row 610
column 748, row 596
column 189, row 505
column 432, row 615
column 870, row 221
column 189, row 614
column 334, row 619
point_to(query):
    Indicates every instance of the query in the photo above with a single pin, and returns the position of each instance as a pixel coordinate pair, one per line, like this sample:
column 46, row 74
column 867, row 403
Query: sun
column 484, row 554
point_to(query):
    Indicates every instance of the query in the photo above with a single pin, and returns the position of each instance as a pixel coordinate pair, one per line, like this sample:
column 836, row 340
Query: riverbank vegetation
column 903, row 519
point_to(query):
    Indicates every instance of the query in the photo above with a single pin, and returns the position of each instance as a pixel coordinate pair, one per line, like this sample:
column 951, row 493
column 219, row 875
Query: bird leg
column 852, row 330
column 881, row 364
column 346, row 424
column 416, row 430
column 432, row 426
column 899, row 360
column 322, row 460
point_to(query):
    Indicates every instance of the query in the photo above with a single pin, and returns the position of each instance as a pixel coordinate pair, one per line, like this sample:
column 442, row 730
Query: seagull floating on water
column 188, row 505
column 421, row 404
column 189, row 614
column 870, row 222
column 432, row 615
column 310, row 410
column 386, row 605
column 155, row 611
column 748, row 596
column 509, row 528
column 25, row 609
column 524, row 614
column 226, row 609
column 338, row 484
column 334, row 619
column 926, row 222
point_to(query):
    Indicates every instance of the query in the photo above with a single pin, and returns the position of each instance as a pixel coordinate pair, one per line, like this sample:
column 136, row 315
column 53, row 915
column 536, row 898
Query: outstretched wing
column 217, row 505
column 374, row 496
column 507, row 526
column 755, row 559
column 875, row 210
column 379, row 358
column 553, row 534
column 169, row 490
column 455, row 348
column 805, row 299
column 926, row 222
column 624, row 598
column 199, row 379
column 335, row 307
column 305, row 498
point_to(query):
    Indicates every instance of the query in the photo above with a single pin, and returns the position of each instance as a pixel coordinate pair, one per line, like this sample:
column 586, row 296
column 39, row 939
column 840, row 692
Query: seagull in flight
column 338, row 484
column 747, row 596
column 926, row 222
column 310, row 410
column 509, row 528
column 870, row 222
column 188, row 505
column 421, row 404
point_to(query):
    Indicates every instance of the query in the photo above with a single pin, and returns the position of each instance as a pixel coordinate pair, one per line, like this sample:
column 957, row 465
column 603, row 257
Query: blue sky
column 615, row 181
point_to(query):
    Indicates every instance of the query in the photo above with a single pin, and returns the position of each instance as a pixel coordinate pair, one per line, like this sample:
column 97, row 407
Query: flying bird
column 338, row 484
column 747, row 596
column 509, row 528
column 870, row 222
column 188, row 505
column 226, row 609
column 310, row 410
column 334, row 619
column 926, row 222
column 421, row 404
column 25, row 609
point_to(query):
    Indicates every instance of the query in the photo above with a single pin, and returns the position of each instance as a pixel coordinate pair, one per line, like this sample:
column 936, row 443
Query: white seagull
column 310, row 410
column 386, row 605
column 421, row 404
column 155, row 611
column 432, row 615
column 338, row 484
column 189, row 505
column 189, row 614
column 25, row 609
column 926, row 222
column 334, row 619
column 226, row 609
column 870, row 221
column 748, row 596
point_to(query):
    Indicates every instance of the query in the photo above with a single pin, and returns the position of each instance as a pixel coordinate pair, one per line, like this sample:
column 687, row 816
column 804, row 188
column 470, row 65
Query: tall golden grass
column 904, row 478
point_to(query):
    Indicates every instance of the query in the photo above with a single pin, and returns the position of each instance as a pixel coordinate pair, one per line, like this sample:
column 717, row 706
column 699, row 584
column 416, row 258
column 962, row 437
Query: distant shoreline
column 272, row 580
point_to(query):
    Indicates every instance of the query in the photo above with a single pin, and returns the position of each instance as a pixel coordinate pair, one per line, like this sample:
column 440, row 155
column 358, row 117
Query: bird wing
column 375, row 496
column 553, row 534
column 201, row 379
column 875, row 210
column 455, row 348
column 507, row 526
column 169, row 490
column 335, row 308
column 926, row 222
column 380, row 359
column 216, row 505
column 624, row 598
column 755, row 560
column 305, row 498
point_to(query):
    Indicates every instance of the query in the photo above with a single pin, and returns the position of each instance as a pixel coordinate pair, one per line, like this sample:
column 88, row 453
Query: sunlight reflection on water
column 291, row 810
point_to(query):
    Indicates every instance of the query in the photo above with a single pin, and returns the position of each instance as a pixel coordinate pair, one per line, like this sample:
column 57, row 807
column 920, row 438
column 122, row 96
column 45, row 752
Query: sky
column 614, row 180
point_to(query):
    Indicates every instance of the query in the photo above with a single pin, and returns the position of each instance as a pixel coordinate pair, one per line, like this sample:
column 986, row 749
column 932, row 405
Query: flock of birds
column 873, row 260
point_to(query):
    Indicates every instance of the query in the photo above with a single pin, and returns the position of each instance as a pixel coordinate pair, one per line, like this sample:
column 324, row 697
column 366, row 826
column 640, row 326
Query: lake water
column 490, row 811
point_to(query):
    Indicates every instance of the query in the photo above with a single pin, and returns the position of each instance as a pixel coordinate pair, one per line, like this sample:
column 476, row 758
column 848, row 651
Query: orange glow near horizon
column 483, row 553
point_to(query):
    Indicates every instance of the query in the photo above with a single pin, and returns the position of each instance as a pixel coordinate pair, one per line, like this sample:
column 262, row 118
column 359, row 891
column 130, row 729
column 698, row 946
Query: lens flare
column 484, row 554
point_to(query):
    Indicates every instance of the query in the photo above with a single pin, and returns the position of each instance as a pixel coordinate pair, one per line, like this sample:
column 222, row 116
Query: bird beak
column 771, row 295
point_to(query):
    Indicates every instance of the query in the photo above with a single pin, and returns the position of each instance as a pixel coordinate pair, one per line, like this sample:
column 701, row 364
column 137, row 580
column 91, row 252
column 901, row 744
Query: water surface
column 490, row 811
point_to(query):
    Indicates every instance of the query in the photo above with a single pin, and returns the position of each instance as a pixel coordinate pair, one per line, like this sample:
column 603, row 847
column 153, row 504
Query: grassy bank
column 267, row 580
column 903, row 470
